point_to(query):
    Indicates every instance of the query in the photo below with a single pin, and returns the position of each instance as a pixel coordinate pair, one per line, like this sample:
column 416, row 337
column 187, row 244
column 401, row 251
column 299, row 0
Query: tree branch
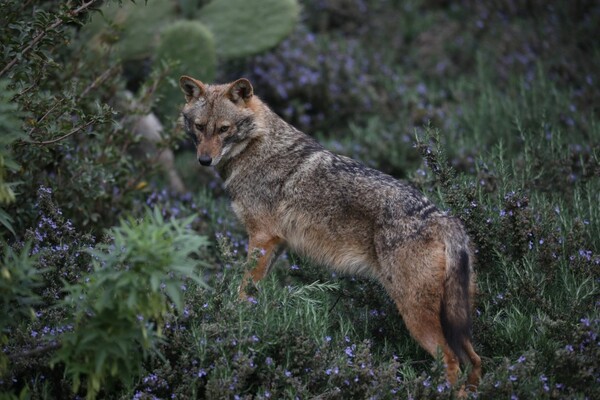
column 35, row 352
column 58, row 22
column 43, row 117
column 98, row 81
column 72, row 132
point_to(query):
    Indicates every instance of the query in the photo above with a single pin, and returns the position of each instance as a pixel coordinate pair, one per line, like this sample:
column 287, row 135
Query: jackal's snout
column 205, row 160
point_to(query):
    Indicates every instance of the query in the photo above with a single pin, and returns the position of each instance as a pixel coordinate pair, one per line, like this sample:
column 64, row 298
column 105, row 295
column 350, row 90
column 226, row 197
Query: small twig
column 35, row 352
column 335, row 303
column 43, row 117
column 72, row 132
column 149, row 91
column 99, row 80
column 58, row 22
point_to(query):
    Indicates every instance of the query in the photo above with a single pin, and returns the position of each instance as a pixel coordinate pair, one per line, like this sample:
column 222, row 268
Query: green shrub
column 119, row 309
column 19, row 280
column 10, row 118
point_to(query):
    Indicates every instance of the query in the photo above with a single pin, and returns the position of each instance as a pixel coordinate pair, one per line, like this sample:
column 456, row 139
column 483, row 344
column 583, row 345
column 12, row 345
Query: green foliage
column 19, row 280
column 72, row 132
column 120, row 308
column 245, row 27
column 10, row 121
column 284, row 342
column 537, row 273
column 377, row 144
column 191, row 45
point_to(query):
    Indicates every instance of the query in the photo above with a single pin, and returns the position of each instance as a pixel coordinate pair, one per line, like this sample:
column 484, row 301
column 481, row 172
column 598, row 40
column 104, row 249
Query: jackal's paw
column 242, row 295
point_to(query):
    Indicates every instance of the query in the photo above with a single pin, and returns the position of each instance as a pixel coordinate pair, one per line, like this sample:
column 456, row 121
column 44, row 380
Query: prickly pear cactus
column 191, row 45
column 156, row 31
column 245, row 27
column 133, row 29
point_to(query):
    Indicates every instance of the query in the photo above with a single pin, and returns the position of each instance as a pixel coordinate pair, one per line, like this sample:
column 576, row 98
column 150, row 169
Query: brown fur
column 288, row 190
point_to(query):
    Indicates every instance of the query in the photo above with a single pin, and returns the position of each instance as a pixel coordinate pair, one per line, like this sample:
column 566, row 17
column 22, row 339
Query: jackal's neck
column 269, row 143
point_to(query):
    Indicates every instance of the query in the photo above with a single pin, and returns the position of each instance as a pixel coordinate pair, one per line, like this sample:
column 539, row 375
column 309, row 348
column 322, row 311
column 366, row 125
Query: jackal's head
column 220, row 119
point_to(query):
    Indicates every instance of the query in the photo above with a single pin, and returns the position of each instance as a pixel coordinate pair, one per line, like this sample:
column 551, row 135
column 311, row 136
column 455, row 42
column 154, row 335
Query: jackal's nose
column 205, row 160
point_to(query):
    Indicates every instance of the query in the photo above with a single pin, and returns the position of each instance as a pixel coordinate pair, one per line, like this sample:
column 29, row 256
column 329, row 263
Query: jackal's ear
column 240, row 90
column 192, row 88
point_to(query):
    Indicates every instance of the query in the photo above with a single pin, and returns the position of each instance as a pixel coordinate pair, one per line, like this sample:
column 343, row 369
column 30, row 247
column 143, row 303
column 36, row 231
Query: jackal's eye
column 224, row 128
column 199, row 127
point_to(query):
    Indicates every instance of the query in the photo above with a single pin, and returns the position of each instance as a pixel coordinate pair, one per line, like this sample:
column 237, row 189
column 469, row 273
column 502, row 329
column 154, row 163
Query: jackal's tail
column 455, row 311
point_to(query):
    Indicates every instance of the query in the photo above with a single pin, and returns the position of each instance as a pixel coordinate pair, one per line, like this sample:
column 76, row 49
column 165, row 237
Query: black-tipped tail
column 455, row 311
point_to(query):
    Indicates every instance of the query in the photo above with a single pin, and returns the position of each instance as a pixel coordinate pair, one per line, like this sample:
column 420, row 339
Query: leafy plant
column 19, row 280
column 120, row 308
column 10, row 123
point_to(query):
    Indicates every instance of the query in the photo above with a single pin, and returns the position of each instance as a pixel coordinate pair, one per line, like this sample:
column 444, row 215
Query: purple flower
column 569, row 348
column 349, row 352
column 546, row 387
column 252, row 300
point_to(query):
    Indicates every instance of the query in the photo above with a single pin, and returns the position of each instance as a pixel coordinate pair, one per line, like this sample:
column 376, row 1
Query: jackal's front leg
column 260, row 250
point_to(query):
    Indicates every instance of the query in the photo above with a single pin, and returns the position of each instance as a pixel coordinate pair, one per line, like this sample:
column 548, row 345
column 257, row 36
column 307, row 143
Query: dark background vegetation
column 113, row 285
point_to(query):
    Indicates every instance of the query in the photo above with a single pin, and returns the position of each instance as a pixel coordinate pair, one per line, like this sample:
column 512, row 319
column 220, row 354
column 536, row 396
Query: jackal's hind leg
column 262, row 252
column 426, row 328
column 475, row 374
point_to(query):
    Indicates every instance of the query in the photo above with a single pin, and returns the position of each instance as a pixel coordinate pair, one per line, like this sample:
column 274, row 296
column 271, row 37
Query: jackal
column 288, row 190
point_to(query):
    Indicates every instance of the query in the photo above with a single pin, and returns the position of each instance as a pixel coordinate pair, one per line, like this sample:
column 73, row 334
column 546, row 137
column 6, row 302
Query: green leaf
column 6, row 221
column 175, row 295
column 246, row 27
column 100, row 357
column 154, row 282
